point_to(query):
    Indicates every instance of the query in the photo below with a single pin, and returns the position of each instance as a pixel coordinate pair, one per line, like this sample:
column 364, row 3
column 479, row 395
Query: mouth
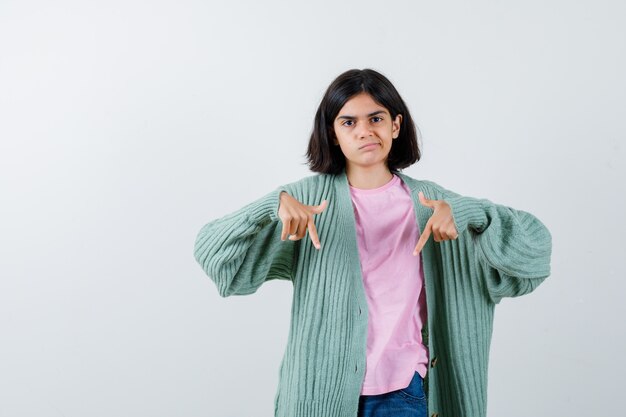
column 369, row 145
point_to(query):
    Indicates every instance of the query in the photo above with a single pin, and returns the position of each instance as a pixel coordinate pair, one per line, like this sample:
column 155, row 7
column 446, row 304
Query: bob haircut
column 325, row 157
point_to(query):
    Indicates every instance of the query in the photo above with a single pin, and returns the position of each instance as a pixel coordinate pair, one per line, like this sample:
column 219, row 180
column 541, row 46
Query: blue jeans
column 405, row 402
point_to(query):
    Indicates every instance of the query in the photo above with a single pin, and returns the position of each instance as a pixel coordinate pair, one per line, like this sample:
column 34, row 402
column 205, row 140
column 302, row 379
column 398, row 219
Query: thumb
column 425, row 201
column 320, row 208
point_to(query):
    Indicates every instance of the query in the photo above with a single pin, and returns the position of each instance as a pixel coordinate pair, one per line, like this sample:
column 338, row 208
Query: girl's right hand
column 298, row 217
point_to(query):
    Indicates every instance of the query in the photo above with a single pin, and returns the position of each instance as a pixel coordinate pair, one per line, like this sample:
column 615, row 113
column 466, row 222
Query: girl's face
column 364, row 130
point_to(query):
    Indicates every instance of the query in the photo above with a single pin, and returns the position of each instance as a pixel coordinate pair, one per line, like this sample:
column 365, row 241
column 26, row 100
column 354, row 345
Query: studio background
column 126, row 126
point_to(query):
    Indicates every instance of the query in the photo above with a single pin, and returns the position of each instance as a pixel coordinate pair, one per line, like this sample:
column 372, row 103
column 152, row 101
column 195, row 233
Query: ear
column 395, row 132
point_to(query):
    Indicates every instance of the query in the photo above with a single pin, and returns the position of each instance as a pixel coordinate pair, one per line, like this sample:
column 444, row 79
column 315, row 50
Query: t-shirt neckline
column 390, row 183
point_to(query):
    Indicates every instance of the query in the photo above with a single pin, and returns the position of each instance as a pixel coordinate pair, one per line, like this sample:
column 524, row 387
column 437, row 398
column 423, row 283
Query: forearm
column 241, row 250
column 514, row 242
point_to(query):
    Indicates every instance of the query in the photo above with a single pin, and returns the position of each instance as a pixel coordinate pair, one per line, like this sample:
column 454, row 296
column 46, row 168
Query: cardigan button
column 433, row 362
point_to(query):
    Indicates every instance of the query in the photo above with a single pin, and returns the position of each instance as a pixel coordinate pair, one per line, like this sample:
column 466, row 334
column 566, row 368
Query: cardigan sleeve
column 513, row 247
column 243, row 249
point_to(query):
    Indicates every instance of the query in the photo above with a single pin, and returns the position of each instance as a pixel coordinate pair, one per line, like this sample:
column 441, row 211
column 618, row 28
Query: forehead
column 361, row 105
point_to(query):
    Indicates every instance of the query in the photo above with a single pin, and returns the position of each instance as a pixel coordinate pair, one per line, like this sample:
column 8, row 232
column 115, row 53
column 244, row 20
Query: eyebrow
column 369, row 115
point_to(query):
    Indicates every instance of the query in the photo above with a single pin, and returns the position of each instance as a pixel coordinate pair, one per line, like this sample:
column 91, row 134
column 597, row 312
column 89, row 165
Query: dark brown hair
column 324, row 157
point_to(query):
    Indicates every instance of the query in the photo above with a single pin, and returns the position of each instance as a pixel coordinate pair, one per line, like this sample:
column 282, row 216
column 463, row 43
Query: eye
column 346, row 123
column 376, row 117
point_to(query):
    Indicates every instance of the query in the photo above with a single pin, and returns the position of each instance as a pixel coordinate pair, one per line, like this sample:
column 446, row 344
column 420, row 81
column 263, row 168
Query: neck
column 368, row 177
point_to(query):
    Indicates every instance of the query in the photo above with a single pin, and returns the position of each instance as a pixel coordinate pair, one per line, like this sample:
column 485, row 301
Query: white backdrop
column 127, row 125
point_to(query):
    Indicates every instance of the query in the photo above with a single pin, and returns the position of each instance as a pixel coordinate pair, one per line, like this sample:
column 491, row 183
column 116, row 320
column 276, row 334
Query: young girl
column 395, row 287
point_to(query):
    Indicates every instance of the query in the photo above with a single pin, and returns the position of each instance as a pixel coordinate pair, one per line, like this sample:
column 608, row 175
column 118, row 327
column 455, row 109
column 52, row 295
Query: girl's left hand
column 441, row 223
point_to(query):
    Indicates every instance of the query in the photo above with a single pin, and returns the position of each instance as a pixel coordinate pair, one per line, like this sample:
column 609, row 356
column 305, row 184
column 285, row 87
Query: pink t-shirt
column 387, row 233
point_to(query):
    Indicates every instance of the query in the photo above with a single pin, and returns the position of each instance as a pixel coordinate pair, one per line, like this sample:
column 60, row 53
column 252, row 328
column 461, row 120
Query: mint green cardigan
column 500, row 252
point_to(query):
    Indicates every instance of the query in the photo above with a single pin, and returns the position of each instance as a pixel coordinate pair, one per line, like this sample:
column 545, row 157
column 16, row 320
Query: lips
column 368, row 145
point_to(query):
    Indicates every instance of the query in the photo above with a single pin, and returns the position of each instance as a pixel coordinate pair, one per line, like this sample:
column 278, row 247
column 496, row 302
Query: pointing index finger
column 313, row 233
column 423, row 238
column 285, row 231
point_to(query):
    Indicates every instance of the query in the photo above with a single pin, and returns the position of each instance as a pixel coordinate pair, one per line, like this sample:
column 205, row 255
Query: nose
column 364, row 131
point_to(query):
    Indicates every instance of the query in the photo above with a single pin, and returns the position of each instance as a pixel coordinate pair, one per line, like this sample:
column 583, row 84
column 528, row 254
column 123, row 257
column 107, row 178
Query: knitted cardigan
column 500, row 252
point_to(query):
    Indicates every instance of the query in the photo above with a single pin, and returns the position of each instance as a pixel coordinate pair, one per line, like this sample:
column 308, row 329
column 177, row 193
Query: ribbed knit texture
column 500, row 252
